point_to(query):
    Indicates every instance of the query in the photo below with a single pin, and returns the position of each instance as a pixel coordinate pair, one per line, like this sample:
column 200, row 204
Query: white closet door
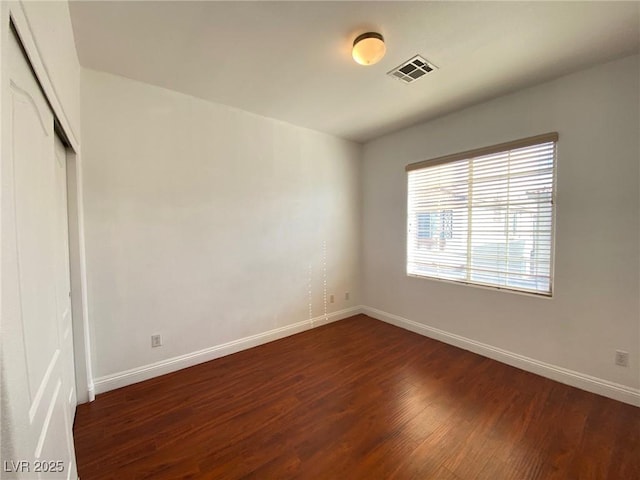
column 63, row 278
column 37, row 344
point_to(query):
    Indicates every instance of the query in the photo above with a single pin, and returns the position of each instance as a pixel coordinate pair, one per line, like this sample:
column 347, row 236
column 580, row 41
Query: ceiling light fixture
column 368, row 48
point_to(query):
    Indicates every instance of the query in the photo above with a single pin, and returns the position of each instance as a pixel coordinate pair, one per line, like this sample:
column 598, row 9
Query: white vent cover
column 413, row 69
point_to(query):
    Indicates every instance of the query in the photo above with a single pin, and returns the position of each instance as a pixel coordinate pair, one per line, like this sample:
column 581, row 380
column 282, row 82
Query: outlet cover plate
column 622, row 358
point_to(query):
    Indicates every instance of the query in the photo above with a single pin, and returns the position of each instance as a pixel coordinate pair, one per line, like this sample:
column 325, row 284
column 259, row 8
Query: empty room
column 324, row 240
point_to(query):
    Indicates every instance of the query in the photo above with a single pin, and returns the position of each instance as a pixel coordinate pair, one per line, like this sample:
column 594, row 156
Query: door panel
column 32, row 194
column 37, row 344
column 63, row 278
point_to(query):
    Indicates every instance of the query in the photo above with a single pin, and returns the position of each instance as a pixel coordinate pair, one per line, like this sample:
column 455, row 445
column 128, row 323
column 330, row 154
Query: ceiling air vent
column 413, row 69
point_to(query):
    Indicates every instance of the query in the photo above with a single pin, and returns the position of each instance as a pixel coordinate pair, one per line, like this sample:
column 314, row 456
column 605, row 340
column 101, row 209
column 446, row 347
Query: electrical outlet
column 347, row 295
column 156, row 340
column 622, row 358
column 331, row 299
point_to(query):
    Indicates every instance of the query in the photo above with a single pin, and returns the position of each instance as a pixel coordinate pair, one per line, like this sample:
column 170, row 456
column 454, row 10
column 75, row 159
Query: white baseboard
column 596, row 385
column 145, row 372
column 563, row 375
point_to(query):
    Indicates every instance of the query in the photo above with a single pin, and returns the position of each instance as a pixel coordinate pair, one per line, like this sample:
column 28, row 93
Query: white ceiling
column 291, row 60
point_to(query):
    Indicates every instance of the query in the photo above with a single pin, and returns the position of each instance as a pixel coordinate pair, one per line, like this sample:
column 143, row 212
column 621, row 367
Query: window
column 485, row 217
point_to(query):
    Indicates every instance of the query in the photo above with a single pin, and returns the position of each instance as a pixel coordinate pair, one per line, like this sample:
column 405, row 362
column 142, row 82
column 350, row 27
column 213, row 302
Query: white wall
column 203, row 223
column 595, row 307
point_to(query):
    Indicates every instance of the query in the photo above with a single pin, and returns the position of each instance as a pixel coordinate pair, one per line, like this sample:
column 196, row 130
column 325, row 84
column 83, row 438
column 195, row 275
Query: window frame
column 480, row 152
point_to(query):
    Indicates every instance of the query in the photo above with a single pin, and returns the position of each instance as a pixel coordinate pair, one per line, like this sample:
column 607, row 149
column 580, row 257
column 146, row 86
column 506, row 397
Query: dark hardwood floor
column 356, row 399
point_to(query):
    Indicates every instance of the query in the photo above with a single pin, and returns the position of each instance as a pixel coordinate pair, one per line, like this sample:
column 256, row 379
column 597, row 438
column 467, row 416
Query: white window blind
column 485, row 217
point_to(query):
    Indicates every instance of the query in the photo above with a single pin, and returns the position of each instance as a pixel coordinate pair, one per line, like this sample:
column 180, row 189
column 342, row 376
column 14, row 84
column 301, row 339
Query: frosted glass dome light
column 368, row 48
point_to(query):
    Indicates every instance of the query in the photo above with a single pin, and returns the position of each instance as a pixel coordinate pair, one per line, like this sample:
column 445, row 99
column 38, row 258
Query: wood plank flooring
column 356, row 399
